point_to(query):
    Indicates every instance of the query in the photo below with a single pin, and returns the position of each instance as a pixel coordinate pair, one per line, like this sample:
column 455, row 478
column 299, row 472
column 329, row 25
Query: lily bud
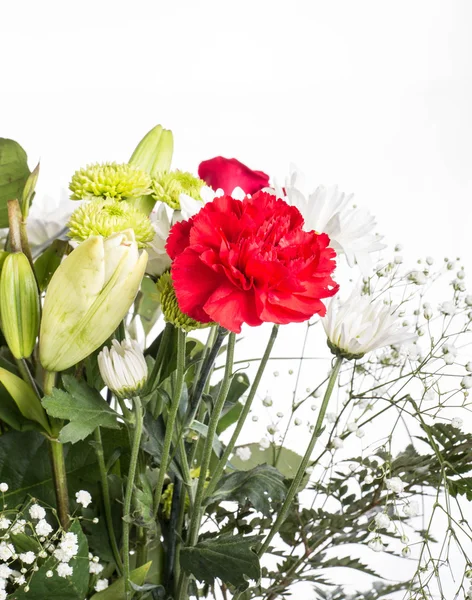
column 153, row 154
column 87, row 298
column 19, row 305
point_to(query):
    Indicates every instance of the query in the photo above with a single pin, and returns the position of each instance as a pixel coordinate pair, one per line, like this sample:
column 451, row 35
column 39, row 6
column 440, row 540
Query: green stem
column 171, row 418
column 156, row 369
column 197, row 511
column 138, row 429
column 301, row 469
column 106, row 499
column 26, row 375
column 220, row 467
column 58, row 462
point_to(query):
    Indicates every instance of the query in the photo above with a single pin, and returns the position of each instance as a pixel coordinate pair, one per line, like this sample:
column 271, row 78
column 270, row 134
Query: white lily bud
column 87, row 298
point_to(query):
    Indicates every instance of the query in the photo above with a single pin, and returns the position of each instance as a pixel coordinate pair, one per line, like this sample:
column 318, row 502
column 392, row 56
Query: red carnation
column 229, row 173
column 248, row 262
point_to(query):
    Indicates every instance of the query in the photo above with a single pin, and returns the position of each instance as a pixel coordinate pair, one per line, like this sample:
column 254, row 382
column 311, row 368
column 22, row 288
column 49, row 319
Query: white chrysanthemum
column 360, row 325
column 48, row 218
column 327, row 210
column 123, row 368
column 163, row 217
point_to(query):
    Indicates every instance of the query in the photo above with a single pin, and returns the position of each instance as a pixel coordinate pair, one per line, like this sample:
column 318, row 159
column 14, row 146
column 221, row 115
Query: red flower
column 228, row 173
column 248, row 262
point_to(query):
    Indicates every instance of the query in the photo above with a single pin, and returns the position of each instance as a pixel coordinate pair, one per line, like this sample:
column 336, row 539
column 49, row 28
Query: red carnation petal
column 229, row 173
column 231, row 307
column 179, row 238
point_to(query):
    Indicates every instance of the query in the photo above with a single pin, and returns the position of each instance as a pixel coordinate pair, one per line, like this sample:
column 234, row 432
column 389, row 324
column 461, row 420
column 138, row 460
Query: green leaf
column 82, row 406
column 14, row 172
column 148, row 306
column 11, row 415
column 26, row 400
column 261, row 486
column 287, row 463
column 61, row 588
column 202, row 429
column 30, row 473
column 116, row 591
column 460, row 487
column 229, row 558
column 46, row 264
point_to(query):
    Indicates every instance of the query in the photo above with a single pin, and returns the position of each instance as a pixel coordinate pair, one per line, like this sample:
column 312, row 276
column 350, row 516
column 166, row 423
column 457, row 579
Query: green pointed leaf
column 24, row 397
column 148, row 306
column 61, row 588
column 116, row 591
column 202, row 429
column 14, row 172
column 82, row 406
column 46, row 264
column 229, row 558
column 261, row 486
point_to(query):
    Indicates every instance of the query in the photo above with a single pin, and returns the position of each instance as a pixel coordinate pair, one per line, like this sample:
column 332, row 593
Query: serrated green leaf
column 73, row 587
column 116, row 591
column 261, row 486
column 14, row 172
column 229, row 558
column 82, row 406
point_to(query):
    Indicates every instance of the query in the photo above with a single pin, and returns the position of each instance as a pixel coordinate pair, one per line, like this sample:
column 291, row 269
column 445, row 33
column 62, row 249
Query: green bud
column 19, row 305
column 153, row 155
column 154, row 152
column 170, row 308
column 88, row 297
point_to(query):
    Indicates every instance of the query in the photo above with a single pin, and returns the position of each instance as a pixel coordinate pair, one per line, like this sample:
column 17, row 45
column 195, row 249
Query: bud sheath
column 19, row 305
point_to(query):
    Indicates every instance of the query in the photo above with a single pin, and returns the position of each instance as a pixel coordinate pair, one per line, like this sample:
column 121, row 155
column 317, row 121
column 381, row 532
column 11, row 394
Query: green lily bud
column 87, row 298
column 153, row 154
column 19, row 305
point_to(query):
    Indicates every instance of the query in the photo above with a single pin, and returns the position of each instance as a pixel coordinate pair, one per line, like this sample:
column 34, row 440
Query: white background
column 375, row 96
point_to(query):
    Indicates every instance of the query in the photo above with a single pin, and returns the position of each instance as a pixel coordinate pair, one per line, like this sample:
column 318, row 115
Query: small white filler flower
column 123, row 368
column 360, row 325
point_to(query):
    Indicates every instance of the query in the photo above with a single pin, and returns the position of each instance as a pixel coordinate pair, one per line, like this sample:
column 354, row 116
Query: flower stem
column 204, row 374
column 138, row 429
column 171, row 418
column 301, row 469
column 106, row 499
column 58, row 462
column 220, row 467
column 197, row 511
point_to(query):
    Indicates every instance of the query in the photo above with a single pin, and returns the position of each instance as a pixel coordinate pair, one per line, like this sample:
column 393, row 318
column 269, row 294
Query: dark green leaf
column 261, row 486
column 82, row 406
column 61, row 588
column 46, row 264
column 116, row 591
column 229, row 558
column 14, row 172
column 285, row 460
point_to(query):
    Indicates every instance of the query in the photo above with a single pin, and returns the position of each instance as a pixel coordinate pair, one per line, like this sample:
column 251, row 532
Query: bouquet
column 134, row 462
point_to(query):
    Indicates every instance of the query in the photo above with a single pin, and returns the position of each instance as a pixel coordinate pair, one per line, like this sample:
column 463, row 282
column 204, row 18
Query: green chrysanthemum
column 168, row 186
column 109, row 180
column 170, row 308
column 105, row 217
